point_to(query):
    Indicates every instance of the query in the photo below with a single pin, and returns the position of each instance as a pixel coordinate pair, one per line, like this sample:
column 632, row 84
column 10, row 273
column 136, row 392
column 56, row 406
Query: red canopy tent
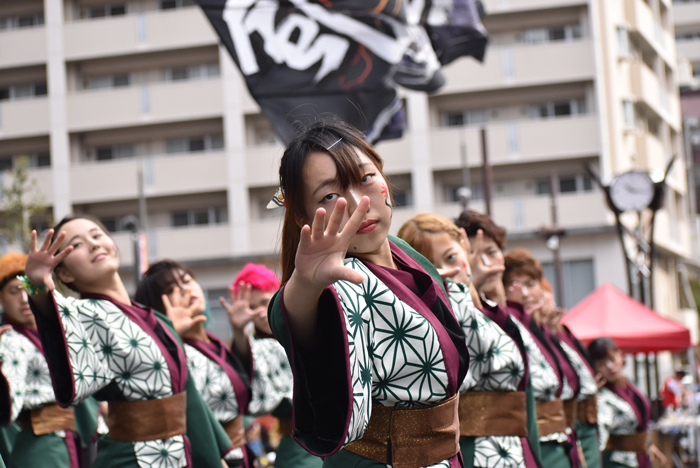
column 636, row 328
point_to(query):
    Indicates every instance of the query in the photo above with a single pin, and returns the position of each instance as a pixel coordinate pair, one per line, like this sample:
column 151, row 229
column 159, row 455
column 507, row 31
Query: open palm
column 180, row 312
column 321, row 252
column 238, row 310
column 42, row 262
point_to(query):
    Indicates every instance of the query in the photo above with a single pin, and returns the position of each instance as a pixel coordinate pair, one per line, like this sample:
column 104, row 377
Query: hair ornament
column 329, row 148
column 277, row 200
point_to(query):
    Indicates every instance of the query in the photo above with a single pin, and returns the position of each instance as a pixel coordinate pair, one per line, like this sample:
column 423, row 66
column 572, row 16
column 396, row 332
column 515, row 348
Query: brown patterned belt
column 570, row 408
column 47, row 419
column 628, row 443
column 551, row 417
column 235, row 430
column 410, row 438
column 144, row 420
column 587, row 411
column 493, row 414
column 285, row 427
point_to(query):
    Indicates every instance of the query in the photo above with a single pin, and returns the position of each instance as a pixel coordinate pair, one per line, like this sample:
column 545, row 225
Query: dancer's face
column 322, row 190
column 14, row 302
column 94, row 256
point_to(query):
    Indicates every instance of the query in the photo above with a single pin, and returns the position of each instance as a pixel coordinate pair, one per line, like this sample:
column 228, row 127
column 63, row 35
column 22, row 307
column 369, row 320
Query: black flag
column 303, row 58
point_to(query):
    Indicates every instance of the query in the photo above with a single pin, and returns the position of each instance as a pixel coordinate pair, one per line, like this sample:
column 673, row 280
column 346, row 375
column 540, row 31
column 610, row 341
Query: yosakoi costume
column 380, row 385
column 273, row 383
column 131, row 357
column 495, row 417
column 623, row 417
column 51, row 436
column 550, row 387
column 586, row 408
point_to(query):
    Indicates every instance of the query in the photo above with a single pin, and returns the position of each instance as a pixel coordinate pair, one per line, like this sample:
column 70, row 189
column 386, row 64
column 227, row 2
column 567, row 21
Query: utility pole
column 486, row 174
column 554, row 241
column 464, row 193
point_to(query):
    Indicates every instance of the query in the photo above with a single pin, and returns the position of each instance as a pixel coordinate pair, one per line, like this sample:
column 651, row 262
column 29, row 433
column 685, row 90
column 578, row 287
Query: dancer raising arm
column 377, row 354
column 120, row 352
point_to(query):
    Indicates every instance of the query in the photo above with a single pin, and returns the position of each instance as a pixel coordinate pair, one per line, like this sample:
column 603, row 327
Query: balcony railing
column 24, row 117
column 143, row 32
column 509, row 6
column 23, row 47
column 643, row 24
column 651, row 93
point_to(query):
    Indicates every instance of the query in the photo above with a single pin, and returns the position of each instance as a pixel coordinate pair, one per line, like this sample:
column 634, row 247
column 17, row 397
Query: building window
column 542, row 186
column 40, row 159
column 551, row 109
column 118, row 9
column 567, row 184
column 194, row 144
column 199, row 217
column 108, row 153
column 23, row 21
column 578, row 280
column 628, row 113
column 191, row 72
column 623, row 48
column 465, row 117
column 108, row 81
column 23, row 91
column 552, row 34
column 117, row 223
column 171, row 4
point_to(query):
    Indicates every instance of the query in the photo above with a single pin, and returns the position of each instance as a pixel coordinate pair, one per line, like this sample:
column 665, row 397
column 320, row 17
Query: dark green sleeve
column 422, row 261
column 533, row 434
column 207, row 437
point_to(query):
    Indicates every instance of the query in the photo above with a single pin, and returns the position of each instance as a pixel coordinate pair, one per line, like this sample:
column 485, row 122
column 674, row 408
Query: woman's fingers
column 47, row 241
column 57, row 243
column 198, row 319
column 60, row 257
column 166, row 303
column 337, row 217
column 343, row 273
column 448, row 273
column 32, row 247
column 355, row 220
column 224, row 303
column 305, row 236
column 318, row 224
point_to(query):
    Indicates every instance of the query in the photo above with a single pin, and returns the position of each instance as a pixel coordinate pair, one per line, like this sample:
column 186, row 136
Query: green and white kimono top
column 97, row 346
column 27, row 386
column 496, row 364
column 391, row 340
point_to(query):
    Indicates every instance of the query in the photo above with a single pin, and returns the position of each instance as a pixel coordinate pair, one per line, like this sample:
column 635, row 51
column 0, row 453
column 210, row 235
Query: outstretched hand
column 321, row 252
column 42, row 262
column 482, row 270
column 239, row 311
column 181, row 312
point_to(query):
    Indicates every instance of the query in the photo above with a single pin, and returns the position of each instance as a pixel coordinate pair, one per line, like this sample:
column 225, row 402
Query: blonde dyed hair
column 418, row 230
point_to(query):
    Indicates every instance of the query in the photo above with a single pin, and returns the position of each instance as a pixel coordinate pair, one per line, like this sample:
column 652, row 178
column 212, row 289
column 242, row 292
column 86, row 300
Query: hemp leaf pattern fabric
column 616, row 416
column 273, row 380
column 27, row 373
column 586, row 379
column 394, row 353
column 216, row 389
column 495, row 365
column 543, row 377
column 105, row 346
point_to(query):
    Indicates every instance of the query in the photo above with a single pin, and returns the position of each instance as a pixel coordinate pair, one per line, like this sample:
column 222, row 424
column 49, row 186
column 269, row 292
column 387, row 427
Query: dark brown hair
column 159, row 279
column 67, row 219
column 471, row 221
column 340, row 141
column 598, row 349
column 521, row 261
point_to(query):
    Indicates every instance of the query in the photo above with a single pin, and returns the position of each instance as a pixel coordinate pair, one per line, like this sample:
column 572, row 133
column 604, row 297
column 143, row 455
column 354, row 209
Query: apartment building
column 93, row 90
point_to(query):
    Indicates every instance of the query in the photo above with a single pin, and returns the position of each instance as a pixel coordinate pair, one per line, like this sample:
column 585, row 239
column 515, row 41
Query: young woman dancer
column 253, row 289
column 586, row 406
column 623, row 413
column 51, row 436
column 378, row 357
column 495, row 417
column 126, row 354
column 522, row 280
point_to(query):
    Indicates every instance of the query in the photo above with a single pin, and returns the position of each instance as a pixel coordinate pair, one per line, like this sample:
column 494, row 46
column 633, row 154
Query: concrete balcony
column 517, row 142
column 673, row 234
column 146, row 104
column 396, row 155
column 689, row 49
column 44, row 184
column 643, row 25
column 163, row 176
column 22, row 47
column 686, row 14
column 265, row 235
column 522, row 65
column 139, row 33
column 24, row 117
column 651, row 152
column 529, row 214
column 263, row 165
column 649, row 91
column 511, row 6
column 180, row 244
